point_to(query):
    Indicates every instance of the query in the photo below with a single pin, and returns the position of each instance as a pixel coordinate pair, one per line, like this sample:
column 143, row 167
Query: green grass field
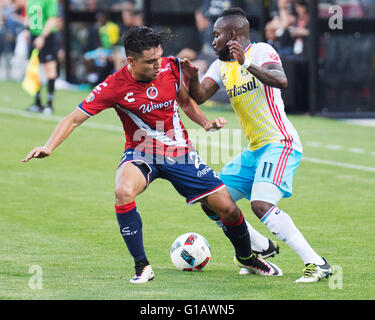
column 58, row 214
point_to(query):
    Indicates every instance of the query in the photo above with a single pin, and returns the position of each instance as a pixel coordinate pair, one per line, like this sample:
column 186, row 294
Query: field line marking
column 114, row 128
column 338, row 164
column 51, row 118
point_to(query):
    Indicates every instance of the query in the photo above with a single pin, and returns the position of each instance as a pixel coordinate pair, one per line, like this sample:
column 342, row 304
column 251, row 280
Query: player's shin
column 212, row 215
column 239, row 236
column 130, row 224
column 258, row 241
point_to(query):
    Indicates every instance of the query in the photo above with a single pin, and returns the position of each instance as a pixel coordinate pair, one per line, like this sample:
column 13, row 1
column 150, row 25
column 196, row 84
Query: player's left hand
column 237, row 51
column 189, row 69
column 215, row 124
column 39, row 42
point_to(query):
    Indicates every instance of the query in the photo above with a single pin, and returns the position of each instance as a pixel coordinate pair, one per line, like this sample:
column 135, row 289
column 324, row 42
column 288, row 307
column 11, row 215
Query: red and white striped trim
column 275, row 112
column 195, row 199
column 281, row 165
column 213, row 81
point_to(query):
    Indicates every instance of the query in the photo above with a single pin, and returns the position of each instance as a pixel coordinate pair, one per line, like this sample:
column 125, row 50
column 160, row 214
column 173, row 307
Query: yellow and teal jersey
column 259, row 107
column 38, row 12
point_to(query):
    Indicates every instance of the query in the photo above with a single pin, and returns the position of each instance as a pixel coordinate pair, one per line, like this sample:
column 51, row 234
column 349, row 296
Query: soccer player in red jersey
column 146, row 93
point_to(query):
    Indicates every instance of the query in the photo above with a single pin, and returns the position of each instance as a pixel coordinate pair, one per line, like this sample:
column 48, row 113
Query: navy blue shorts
column 189, row 175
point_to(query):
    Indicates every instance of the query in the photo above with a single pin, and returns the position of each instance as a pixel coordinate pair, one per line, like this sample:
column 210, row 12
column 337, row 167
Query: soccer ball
column 190, row 252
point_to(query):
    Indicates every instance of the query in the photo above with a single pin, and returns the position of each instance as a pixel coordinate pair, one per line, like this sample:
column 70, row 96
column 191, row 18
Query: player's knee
column 124, row 193
column 230, row 212
column 260, row 208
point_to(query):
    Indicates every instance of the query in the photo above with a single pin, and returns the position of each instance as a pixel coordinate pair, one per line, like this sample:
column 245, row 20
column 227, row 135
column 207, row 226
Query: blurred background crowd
column 96, row 49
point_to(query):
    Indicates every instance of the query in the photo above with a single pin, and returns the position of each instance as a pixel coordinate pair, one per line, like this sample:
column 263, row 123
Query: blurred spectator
column 131, row 17
column 288, row 33
column 300, row 30
column 205, row 18
column 11, row 25
column 276, row 31
column 368, row 7
column 95, row 5
column 297, row 64
column 99, row 61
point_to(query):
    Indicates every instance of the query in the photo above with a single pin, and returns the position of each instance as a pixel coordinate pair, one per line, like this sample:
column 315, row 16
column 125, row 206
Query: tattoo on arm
column 272, row 75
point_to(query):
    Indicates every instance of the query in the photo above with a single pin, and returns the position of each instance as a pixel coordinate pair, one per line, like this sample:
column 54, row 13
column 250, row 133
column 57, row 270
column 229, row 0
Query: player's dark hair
column 142, row 38
column 236, row 11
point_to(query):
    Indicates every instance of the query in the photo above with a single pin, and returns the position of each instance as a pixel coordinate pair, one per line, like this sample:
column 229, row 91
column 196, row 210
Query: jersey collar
column 247, row 49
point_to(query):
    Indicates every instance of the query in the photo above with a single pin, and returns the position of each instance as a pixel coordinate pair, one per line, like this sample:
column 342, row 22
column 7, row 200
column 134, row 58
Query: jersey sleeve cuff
column 269, row 62
column 212, row 80
column 83, row 110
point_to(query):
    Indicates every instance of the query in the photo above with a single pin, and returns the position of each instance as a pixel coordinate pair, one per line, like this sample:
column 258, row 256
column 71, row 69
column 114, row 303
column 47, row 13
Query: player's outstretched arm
column 195, row 113
column 62, row 131
column 200, row 91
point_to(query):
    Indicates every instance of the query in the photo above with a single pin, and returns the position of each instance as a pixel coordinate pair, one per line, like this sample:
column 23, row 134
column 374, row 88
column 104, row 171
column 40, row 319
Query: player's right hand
column 38, row 152
column 215, row 124
column 189, row 69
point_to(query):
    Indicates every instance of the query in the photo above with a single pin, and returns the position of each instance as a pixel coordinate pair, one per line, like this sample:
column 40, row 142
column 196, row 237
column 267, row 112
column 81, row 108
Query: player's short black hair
column 142, row 38
column 236, row 11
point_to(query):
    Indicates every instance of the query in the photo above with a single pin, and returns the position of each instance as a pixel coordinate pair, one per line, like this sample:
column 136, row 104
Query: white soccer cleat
column 143, row 274
column 258, row 266
column 245, row 271
column 314, row 273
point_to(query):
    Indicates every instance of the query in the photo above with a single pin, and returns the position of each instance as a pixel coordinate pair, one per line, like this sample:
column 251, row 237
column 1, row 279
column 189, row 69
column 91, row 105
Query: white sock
column 258, row 241
column 282, row 226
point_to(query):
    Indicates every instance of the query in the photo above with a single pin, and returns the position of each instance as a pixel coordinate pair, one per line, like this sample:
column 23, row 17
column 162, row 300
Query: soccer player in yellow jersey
column 252, row 75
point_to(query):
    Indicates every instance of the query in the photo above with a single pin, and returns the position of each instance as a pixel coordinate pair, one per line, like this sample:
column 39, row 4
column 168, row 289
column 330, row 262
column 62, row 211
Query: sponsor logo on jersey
column 129, row 97
column 96, row 90
column 274, row 56
column 90, row 97
column 246, row 87
column 151, row 106
column 99, row 88
column 203, row 172
column 152, row 92
column 244, row 72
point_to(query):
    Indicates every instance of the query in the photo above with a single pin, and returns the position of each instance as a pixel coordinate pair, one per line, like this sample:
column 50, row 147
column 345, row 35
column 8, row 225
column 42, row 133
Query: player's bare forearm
column 272, row 75
column 196, row 92
column 195, row 113
column 192, row 110
column 61, row 132
column 199, row 91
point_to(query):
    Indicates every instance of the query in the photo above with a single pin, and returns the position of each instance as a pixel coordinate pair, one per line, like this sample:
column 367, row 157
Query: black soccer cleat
column 272, row 250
